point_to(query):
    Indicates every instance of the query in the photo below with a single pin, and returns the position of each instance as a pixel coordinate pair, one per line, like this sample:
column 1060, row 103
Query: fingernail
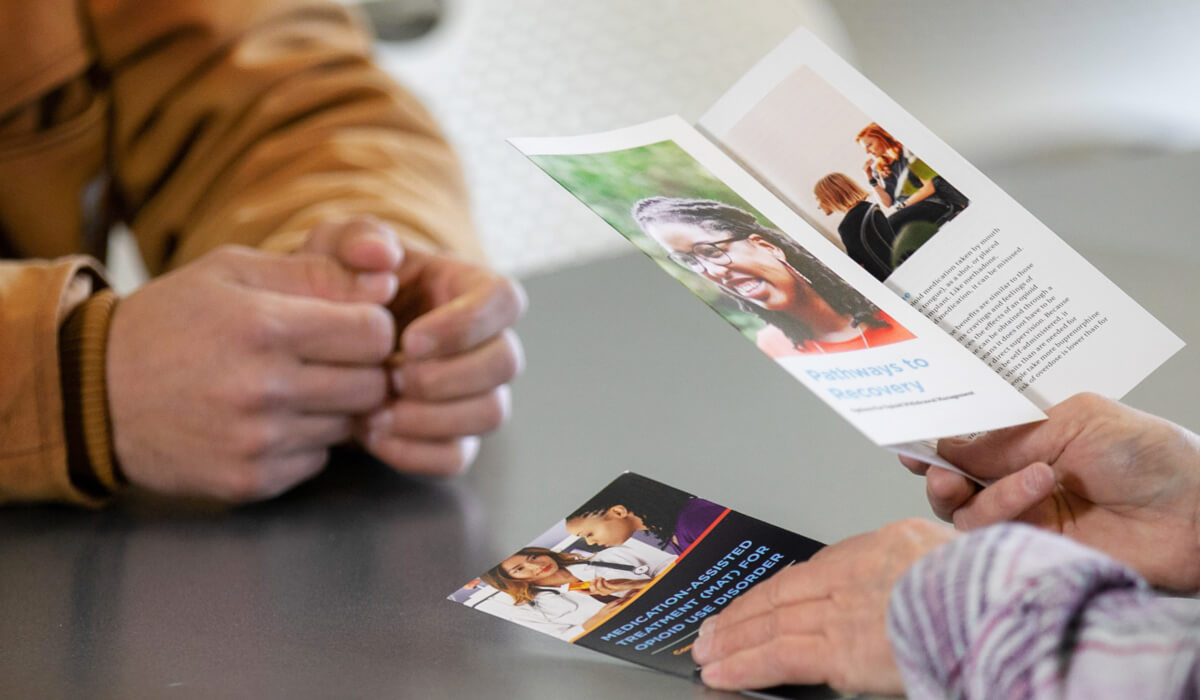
column 707, row 626
column 394, row 366
column 378, row 423
column 954, row 442
column 418, row 344
column 378, row 234
column 387, row 238
column 700, row 647
column 377, row 287
column 1037, row 480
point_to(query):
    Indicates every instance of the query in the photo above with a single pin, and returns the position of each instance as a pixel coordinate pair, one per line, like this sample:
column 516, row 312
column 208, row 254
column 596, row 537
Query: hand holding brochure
column 862, row 254
column 869, row 261
column 635, row 570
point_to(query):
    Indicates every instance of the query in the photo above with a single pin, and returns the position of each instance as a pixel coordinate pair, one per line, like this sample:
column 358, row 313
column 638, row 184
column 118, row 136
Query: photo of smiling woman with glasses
column 804, row 306
column 566, row 594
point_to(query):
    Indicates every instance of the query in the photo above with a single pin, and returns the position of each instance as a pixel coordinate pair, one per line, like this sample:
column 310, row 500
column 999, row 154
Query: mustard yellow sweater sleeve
column 54, row 437
column 218, row 121
column 248, row 121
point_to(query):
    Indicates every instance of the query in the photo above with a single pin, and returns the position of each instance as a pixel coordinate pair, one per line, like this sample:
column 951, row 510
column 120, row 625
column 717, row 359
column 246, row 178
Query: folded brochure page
column 917, row 303
column 863, row 256
column 635, row 570
column 883, row 366
column 995, row 278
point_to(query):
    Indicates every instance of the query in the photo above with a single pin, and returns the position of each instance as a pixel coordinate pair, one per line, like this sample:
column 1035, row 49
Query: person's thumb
column 363, row 244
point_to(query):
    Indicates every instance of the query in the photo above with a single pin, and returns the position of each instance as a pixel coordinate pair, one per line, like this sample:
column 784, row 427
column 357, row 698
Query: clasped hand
column 231, row 376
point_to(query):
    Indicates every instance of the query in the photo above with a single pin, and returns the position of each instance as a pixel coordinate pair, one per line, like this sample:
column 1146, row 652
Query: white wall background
column 1026, row 80
column 1097, row 98
column 494, row 70
column 1071, row 92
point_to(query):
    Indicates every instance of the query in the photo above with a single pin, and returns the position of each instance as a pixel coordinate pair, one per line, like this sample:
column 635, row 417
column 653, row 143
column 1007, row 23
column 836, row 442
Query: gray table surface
column 338, row 588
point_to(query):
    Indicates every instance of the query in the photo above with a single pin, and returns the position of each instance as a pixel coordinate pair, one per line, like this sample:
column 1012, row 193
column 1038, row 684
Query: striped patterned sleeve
column 1014, row 612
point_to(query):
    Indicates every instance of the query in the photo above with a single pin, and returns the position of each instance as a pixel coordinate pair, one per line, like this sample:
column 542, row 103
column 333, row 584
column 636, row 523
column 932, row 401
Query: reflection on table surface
column 334, row 590
column 338, row 588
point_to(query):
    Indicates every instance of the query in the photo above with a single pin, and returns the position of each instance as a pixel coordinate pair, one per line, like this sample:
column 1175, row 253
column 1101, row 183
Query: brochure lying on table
column 862, row 254
column 635, row 570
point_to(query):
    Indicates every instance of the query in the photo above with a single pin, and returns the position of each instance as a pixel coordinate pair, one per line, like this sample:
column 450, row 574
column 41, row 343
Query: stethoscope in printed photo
column 581, row 586
column 639, row 570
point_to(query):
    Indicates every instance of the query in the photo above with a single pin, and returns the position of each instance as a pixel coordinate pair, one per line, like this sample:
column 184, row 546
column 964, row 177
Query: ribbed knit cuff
column 82, row 344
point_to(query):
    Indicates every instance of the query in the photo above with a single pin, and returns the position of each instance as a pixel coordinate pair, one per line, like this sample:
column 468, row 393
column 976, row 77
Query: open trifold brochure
column 862, row 254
